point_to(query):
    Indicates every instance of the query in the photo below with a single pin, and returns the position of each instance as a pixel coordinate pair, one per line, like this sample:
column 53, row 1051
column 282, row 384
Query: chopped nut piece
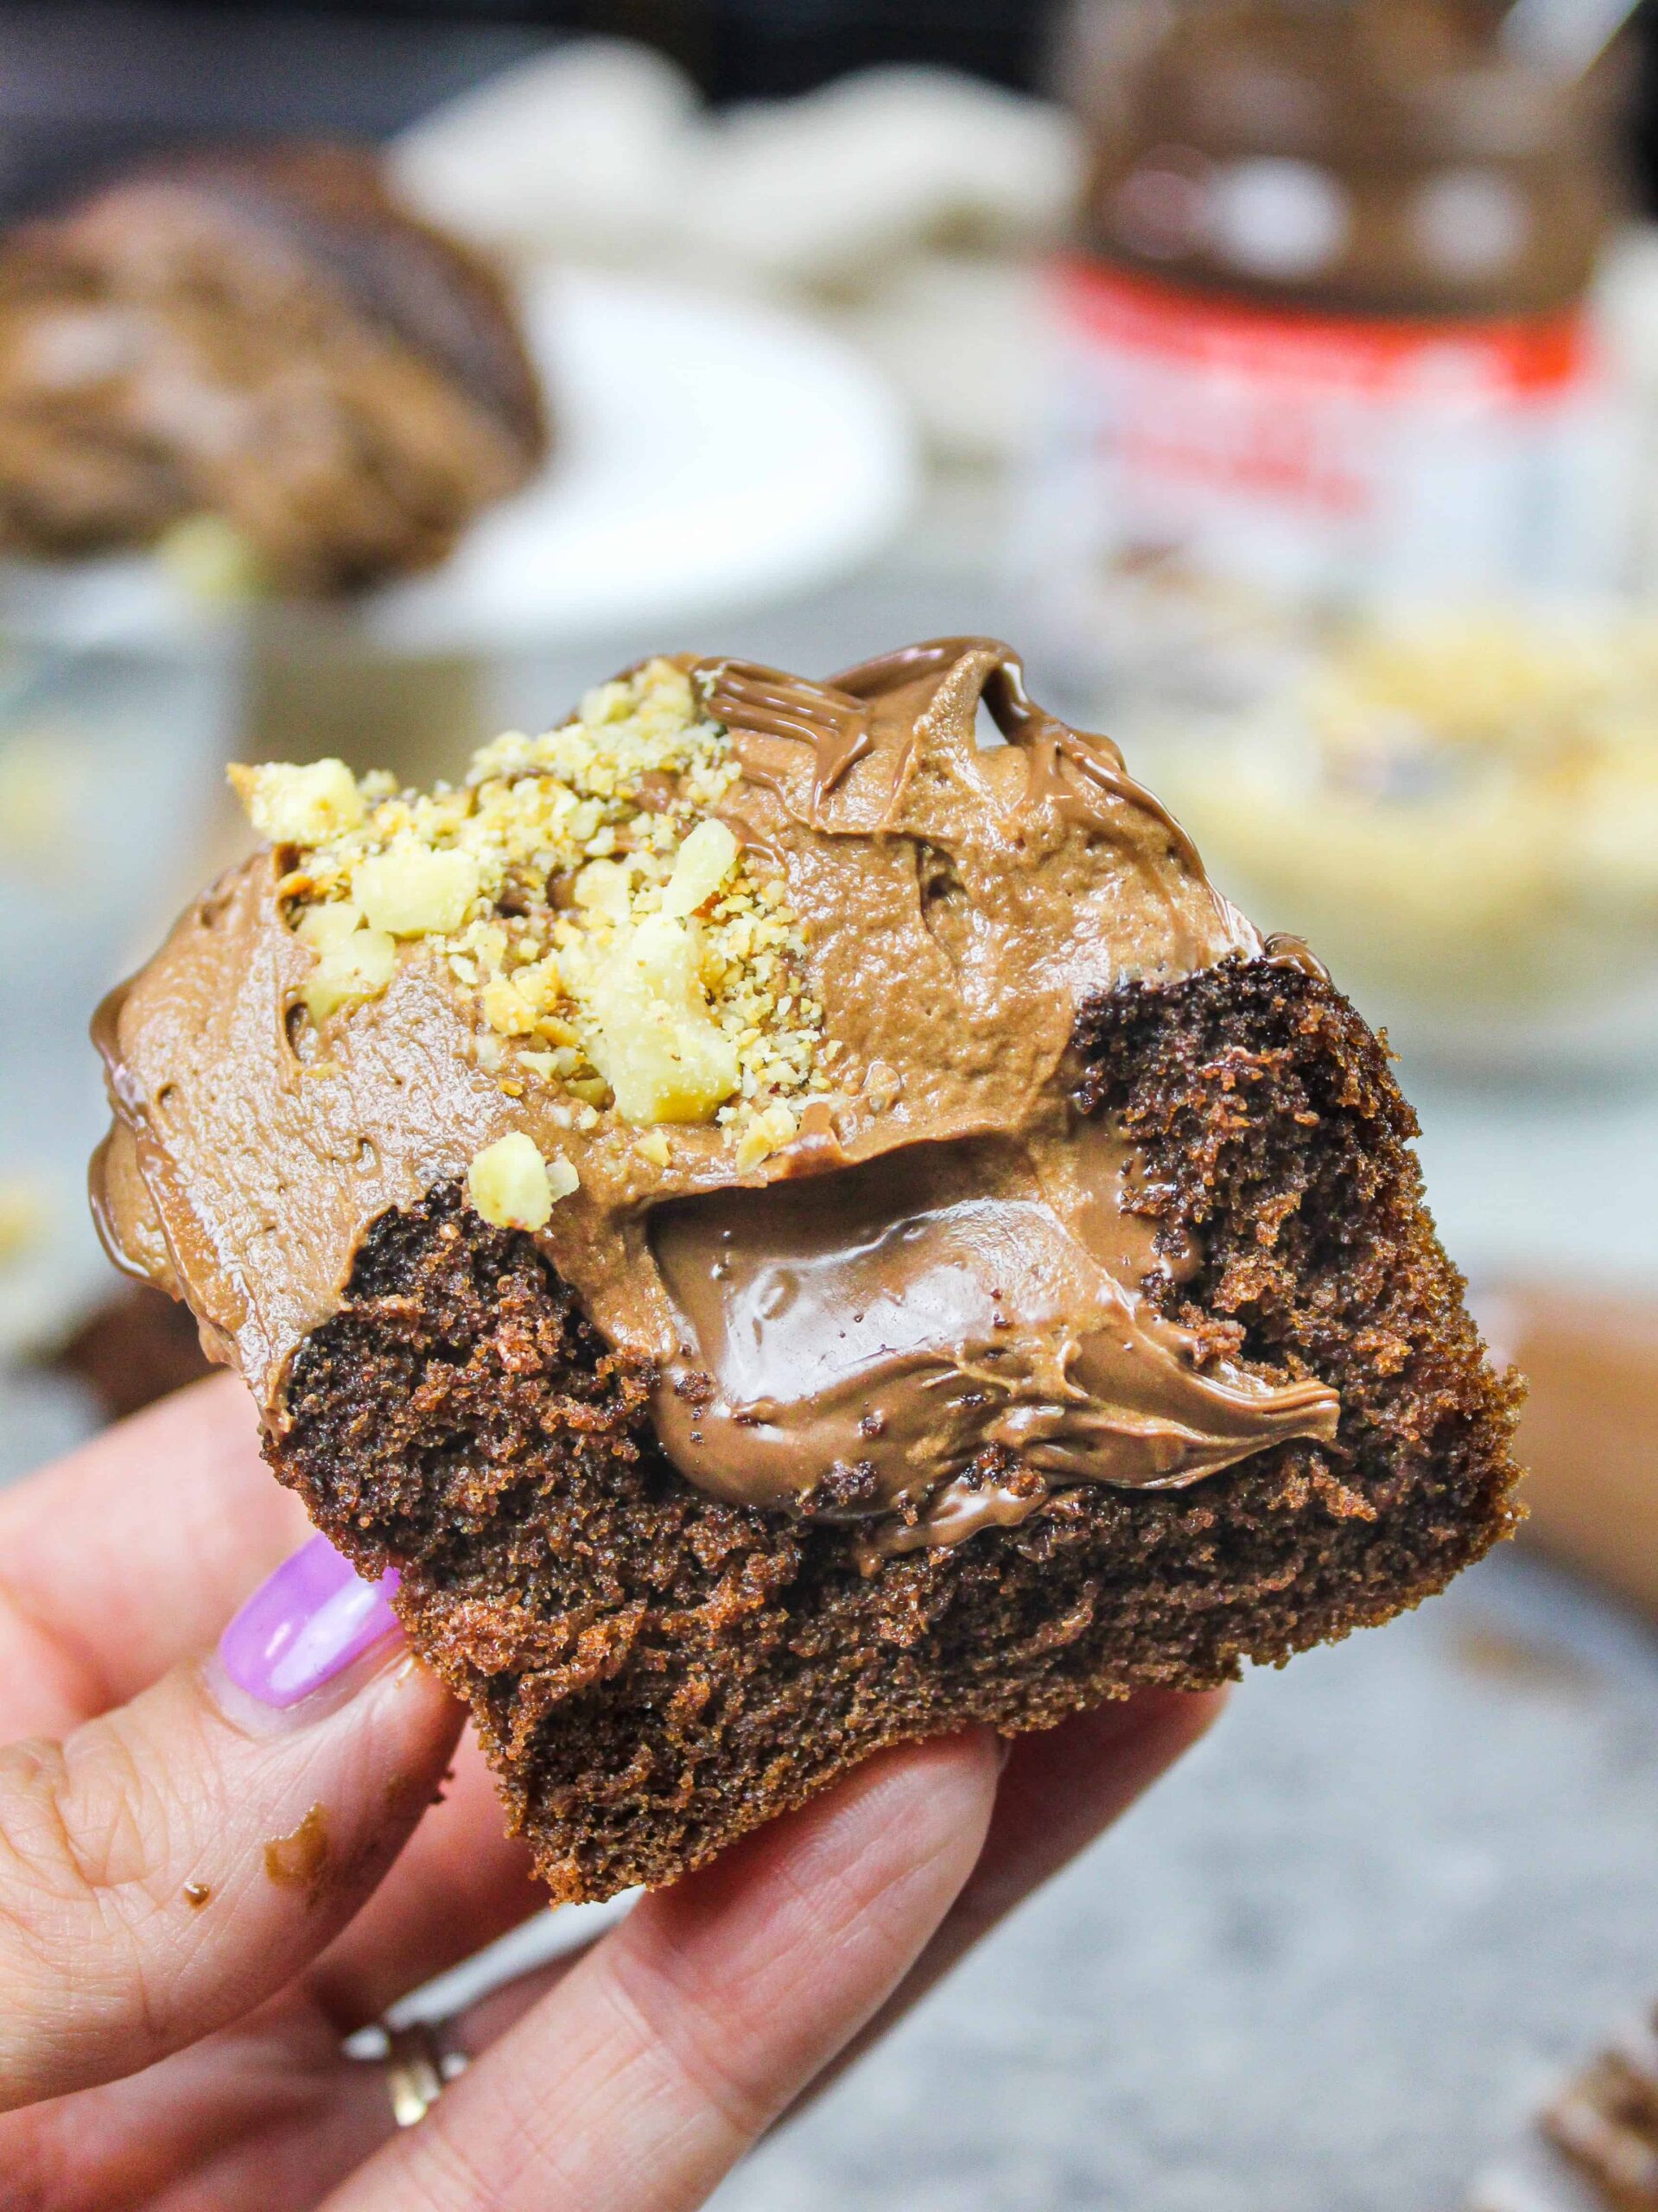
column 881, row 1085
column 539, row 984
column 504, row 1009
column 655, row 1044
column 654, row 1145
column 325, row 929
column 704, row 861
column 299, row 806
column 601, row 888
column 767, row 1134
column 354, row 963
column 416, row 890
column 513, row 1187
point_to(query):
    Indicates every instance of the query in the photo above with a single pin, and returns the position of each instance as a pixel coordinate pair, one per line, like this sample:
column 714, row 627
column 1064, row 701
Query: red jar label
column 1326, row 458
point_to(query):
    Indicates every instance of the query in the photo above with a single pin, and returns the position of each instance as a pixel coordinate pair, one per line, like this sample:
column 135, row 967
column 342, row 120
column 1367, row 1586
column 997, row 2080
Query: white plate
column 710, row 455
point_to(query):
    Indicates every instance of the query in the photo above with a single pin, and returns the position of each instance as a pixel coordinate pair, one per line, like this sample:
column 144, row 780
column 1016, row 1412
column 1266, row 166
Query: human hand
column 203, row 1890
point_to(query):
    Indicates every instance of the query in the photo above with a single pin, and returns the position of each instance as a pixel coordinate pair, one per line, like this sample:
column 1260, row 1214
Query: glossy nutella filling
column 936, row 1336
column 933, row 1305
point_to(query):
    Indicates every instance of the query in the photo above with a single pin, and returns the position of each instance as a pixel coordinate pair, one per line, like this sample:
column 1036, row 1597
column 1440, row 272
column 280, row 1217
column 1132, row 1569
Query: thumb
column 172, row 1863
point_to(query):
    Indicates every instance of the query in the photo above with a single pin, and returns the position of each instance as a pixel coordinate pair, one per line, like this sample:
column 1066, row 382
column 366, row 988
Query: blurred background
column 1282, row 375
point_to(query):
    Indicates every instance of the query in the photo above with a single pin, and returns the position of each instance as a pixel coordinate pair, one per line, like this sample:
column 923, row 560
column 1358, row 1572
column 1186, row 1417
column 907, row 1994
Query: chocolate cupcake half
column 267, row 339
column 797, row 1230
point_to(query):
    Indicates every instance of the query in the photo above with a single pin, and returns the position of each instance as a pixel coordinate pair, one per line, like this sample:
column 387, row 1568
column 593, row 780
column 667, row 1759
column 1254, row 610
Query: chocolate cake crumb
column 653, row 1671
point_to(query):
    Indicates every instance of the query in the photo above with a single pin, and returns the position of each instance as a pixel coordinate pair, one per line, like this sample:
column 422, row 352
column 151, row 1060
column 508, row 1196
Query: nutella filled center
column 940, row 1329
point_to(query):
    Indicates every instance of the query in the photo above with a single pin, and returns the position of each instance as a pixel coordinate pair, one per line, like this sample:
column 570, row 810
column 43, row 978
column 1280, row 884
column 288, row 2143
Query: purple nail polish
column 306, row 1624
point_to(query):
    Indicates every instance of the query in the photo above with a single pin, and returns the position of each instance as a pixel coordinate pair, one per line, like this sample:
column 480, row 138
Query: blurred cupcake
column 262, row 363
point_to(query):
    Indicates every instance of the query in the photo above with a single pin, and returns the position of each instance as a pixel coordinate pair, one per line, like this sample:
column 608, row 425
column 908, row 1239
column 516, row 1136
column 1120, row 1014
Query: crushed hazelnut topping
column 580, row 888
column 354, row 963
column 299, row 806
column 882, row 1085
column 766, row 1133
column 416, row 890
column 513, row 1187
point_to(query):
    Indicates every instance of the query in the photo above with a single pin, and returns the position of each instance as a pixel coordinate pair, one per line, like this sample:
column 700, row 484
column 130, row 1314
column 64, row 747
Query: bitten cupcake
column 795, row 1232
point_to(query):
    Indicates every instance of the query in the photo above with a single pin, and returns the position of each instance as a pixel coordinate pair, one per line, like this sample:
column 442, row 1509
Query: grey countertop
column 1327, row 1965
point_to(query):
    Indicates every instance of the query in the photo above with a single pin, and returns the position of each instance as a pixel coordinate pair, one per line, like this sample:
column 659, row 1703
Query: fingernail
column 306, row 1624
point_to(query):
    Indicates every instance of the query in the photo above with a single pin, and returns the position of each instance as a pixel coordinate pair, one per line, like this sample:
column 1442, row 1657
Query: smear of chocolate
column 299, row 1860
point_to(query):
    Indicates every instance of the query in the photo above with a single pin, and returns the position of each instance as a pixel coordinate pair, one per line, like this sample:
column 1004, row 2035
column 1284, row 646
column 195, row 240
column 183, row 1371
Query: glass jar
column 1323, row 338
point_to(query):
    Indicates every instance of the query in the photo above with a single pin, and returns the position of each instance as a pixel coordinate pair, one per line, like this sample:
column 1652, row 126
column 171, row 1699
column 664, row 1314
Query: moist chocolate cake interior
column 654, row 1671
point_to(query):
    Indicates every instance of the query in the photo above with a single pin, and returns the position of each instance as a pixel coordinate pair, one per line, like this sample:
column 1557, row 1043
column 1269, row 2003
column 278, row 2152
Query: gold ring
column 418, row 2065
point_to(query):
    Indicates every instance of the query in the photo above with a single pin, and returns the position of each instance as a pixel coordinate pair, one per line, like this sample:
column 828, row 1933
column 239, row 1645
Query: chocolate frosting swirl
column 924, row 1315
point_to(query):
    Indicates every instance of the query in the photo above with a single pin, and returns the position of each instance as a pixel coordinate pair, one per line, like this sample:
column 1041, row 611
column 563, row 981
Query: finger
column 460, row 1882
column 131, row 1555
column 268, row 2113
column 273, row 2107
column 672, row 2046
column 487, row 2018
column 1060, row 1790
column 170, row 1863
